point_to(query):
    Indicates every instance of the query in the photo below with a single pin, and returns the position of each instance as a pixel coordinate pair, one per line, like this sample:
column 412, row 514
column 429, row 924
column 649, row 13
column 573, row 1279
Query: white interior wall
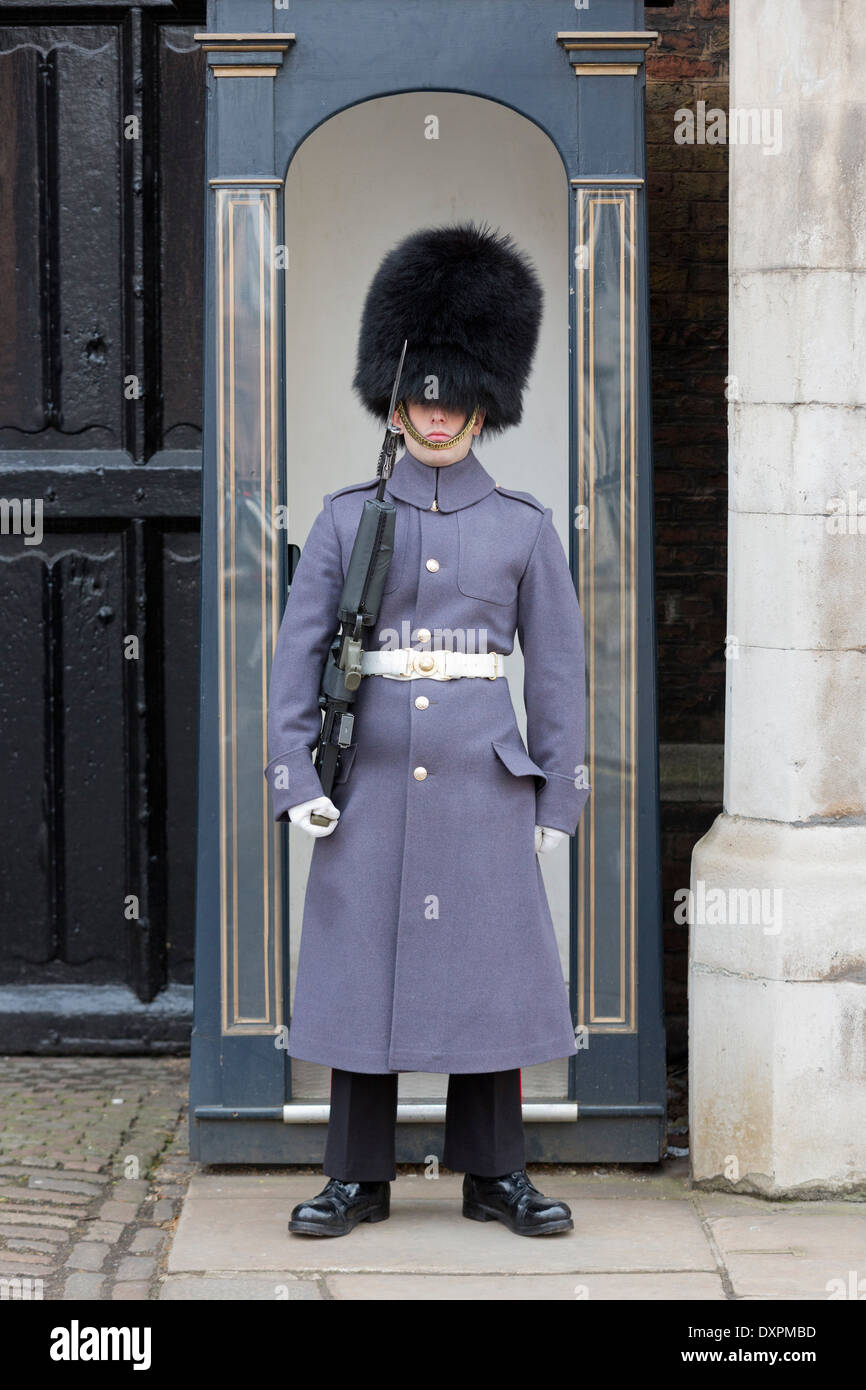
column 359, row 183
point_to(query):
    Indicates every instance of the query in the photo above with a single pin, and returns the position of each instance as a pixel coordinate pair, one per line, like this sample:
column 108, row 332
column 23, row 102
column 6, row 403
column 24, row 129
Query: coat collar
column 460, row 483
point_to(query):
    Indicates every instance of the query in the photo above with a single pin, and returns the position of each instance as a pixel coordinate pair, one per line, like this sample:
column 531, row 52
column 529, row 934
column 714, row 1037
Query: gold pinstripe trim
column 246, row 411
column 591, row 447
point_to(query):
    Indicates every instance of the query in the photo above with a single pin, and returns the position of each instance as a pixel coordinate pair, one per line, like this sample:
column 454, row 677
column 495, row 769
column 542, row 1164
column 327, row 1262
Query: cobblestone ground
column 93, row 1167
column 94, row 1164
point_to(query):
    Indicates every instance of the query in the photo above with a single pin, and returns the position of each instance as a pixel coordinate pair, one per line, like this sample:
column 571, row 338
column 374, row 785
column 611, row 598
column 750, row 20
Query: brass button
column 432, row 566
column 423, row 634
column 421, row 702
column 426, row 663
column 419, row 774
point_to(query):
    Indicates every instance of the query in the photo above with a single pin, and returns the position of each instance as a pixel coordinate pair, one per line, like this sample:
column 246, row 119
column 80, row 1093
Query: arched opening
column 357, row 184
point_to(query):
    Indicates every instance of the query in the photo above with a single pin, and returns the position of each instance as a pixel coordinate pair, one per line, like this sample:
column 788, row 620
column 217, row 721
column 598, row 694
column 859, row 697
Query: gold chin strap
column 438, row 443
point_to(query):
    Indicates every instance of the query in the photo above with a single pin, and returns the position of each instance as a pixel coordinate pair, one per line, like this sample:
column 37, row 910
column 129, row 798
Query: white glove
column 546, row 838
column 300, row 815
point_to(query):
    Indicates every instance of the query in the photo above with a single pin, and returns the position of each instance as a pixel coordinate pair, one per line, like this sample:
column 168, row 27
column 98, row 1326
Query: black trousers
column 483, row 1125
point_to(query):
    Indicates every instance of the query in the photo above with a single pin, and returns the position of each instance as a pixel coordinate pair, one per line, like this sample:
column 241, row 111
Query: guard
column 427, row 942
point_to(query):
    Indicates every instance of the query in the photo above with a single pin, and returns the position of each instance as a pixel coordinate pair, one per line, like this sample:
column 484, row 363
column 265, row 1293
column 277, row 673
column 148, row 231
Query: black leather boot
column 339, row 1207
column 513, row 1200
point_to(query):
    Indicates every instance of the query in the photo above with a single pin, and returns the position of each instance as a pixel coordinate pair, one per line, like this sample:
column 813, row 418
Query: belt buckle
column 415, row 662
column 495, row 675
column 436, row 671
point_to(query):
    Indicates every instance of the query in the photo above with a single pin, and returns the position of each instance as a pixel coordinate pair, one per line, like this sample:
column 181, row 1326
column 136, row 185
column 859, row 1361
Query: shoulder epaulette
column 522, row 496
column 354, row 487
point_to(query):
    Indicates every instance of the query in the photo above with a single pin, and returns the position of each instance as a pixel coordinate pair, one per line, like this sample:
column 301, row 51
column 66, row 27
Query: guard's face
column 437, row 423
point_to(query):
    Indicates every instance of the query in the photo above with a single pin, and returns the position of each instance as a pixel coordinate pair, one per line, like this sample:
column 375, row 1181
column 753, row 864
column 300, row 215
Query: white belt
column 404, row 663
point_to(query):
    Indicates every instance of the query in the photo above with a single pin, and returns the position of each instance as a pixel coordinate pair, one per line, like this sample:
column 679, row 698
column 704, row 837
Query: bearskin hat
column 469, row 303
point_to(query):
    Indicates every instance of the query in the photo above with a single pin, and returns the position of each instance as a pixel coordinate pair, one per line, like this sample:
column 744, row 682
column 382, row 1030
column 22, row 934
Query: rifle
column 358, row 608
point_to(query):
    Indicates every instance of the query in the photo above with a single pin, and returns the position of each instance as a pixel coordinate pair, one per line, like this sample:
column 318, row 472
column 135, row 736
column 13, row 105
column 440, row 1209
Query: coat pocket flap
column 347, row 757
column 517, row 760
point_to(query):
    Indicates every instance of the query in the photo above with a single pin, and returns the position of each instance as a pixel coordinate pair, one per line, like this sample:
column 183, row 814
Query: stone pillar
column 776, row 1002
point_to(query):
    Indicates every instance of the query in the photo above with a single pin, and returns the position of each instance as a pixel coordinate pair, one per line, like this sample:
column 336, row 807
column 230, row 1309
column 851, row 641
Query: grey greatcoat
column 427, row 942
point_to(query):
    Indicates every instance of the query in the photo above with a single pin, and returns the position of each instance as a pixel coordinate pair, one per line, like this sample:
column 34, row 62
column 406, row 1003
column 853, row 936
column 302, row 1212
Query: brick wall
column 688, row 245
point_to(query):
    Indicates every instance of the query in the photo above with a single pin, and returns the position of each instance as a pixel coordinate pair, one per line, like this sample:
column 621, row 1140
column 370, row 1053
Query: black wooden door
column 101, row 212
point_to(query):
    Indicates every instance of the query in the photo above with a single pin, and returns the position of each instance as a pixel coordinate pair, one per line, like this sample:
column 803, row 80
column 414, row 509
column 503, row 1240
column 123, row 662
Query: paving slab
column 524, row 1287
column 87, row 1286
column 17, row 1170
column 70, row 1200
column 10, row 1233
column 788, row 1276
column 836, row 1230
column 132, row 1292
column 66, row 1185
column 429, row 1235
column 87, row 1254
column 277, row 1287
column 23, row 1217
column 656, row 1181
column 275, row 1185
column 15, row 1267
column 797, row 1249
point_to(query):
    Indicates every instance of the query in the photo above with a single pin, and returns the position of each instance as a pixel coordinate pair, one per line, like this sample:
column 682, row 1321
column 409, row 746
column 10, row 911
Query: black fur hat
column 469, row 303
